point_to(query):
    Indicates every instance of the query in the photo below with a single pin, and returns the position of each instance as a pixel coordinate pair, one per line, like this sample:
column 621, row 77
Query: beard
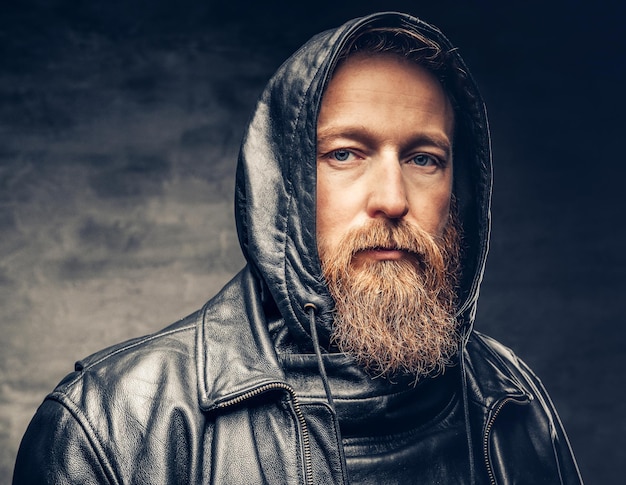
column 396, row 317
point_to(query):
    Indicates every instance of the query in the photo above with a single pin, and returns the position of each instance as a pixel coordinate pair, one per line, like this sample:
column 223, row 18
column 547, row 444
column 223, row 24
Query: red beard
column 396, row 316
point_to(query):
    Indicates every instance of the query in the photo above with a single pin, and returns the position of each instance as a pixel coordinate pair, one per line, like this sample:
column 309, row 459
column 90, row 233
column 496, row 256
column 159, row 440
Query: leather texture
column 207, row 401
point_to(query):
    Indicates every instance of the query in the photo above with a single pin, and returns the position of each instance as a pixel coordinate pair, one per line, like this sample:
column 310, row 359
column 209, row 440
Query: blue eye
column 341, row 155
column 424, row 160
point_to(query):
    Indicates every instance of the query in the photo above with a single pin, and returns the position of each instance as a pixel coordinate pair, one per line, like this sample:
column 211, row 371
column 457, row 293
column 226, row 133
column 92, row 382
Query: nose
column 387, row 194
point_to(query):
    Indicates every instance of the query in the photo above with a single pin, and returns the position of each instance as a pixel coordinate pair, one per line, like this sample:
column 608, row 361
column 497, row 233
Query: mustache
column 385, row 234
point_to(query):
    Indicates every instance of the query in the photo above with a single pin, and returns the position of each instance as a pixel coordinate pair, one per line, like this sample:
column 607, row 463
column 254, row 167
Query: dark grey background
column 119, row 128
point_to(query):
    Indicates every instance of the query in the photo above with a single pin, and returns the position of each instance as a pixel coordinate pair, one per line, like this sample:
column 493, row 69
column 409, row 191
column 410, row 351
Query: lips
column 382, row 254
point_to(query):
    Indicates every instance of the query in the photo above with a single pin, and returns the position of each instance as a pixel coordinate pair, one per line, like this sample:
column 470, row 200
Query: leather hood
column 275, row 199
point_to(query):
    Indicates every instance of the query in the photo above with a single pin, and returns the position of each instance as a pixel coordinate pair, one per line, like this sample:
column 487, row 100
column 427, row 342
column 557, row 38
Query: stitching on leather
column 89, row 431
column 141, row 341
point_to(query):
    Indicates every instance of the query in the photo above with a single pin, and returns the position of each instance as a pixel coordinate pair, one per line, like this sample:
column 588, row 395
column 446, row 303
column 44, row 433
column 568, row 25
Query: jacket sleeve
column 56, row 449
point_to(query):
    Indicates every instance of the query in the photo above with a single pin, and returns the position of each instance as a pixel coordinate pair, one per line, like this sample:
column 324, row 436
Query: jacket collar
column 234, row 352
column 492, row 373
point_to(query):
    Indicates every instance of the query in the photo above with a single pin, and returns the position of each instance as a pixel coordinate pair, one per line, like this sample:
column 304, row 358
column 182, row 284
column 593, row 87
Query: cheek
column 330, row 210
column 430, row 209
column 337, row 208
column 441, row 200
column 444, row 212
column 323, row 209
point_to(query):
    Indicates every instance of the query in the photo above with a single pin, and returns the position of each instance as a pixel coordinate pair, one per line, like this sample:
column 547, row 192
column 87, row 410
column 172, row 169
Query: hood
column 275, row 200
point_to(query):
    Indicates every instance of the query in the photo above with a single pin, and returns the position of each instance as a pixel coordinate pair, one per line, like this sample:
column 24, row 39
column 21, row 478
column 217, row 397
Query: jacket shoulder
column 179, row 334
column 494, row 346
column 169, row 351
column 91, row 417
column 499, row 355
column 138, row 395
column 143, row 354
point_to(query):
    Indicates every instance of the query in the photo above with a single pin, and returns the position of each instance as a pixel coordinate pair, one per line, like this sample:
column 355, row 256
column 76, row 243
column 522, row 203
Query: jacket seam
column 201, row 359
column 125, row 348
column 89, row 432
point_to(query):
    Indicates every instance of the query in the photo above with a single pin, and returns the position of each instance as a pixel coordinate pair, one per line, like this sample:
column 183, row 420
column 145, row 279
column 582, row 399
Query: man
column 344, row 352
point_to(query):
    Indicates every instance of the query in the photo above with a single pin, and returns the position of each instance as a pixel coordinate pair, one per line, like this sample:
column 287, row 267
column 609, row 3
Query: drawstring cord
column 311, row 309
column 468, row 428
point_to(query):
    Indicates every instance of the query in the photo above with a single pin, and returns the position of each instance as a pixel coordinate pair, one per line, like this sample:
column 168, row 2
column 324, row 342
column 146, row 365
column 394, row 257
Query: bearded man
column 345, row 351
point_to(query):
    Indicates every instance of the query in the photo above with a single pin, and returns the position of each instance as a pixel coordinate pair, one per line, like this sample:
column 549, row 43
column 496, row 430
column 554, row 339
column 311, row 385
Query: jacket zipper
column 492, row 478
column 306, row 444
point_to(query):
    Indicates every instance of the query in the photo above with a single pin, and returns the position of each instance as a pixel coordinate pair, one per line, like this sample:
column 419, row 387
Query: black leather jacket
column 206, row 400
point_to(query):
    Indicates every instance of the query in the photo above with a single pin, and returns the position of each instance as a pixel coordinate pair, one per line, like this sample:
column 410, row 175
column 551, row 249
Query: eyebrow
column 362, row 134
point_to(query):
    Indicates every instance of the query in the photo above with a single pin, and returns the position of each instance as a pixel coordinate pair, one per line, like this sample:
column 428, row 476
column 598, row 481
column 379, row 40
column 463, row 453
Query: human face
column 384, row 150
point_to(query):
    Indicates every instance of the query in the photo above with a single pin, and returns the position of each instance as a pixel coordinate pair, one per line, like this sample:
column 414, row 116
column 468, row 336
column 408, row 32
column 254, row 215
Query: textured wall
column 119, row 130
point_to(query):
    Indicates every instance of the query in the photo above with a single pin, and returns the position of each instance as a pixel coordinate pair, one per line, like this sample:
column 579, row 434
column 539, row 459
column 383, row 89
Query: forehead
column 385, row 85
column 394, row 69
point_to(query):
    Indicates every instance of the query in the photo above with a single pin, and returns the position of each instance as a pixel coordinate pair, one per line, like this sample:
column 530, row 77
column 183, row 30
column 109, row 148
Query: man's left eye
column 424, row 160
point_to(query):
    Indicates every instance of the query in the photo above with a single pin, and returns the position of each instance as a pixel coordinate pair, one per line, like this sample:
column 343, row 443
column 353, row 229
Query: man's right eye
column 341, row 155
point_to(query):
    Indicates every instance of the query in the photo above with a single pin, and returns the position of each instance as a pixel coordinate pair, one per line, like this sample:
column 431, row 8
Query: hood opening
column 276, row 177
